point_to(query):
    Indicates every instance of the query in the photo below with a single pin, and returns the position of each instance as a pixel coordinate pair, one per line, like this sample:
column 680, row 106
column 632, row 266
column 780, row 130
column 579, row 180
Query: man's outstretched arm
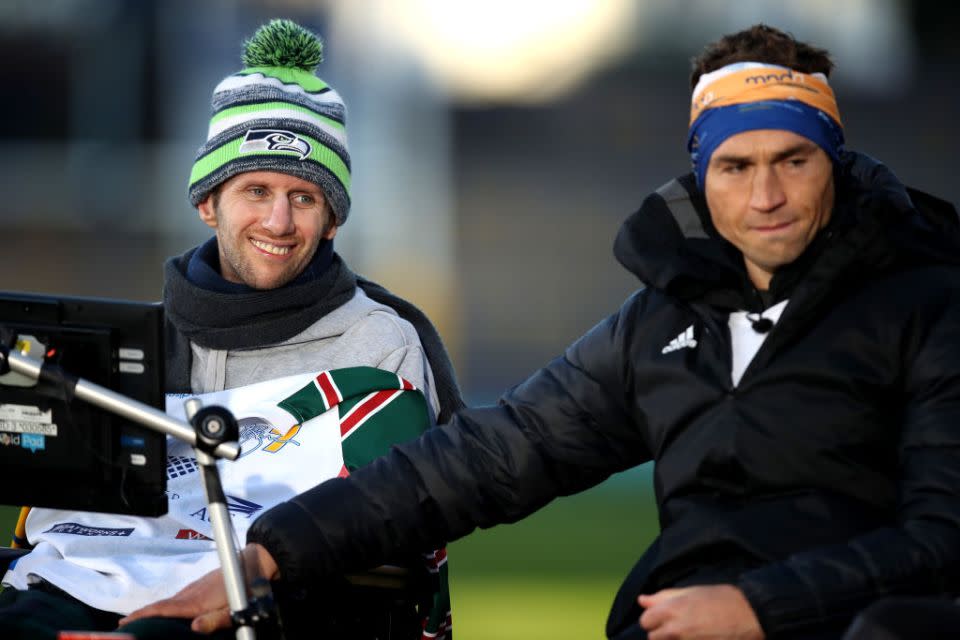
column 566, row 428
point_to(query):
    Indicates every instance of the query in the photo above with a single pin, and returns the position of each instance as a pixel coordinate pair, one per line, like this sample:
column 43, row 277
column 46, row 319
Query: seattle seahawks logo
column 275, row 140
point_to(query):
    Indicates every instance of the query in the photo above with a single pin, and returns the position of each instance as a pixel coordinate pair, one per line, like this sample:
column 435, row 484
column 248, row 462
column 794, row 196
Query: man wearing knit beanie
column 276, row 115
column 265, row 298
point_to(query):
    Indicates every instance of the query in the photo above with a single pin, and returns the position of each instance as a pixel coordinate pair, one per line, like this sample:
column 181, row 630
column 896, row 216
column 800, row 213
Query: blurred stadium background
column 497, row 145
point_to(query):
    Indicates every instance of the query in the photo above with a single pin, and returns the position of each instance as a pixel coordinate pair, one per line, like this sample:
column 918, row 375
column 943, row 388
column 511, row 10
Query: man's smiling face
column 268, row 226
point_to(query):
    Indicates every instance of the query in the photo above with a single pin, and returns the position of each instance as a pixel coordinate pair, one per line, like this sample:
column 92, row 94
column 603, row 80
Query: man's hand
column 716, row 611
column 205, row 600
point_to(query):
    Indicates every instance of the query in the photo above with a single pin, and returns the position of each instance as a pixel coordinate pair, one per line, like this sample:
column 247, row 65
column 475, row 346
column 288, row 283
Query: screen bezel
column 98, row 461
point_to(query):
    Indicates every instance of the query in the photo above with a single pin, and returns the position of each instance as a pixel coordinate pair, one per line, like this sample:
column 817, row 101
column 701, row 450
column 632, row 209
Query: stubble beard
column 242, row 266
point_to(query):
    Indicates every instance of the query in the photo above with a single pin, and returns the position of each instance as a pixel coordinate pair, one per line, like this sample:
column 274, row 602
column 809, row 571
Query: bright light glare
column 515, row 50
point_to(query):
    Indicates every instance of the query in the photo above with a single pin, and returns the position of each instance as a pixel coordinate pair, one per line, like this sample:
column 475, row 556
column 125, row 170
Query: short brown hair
column 761, row 43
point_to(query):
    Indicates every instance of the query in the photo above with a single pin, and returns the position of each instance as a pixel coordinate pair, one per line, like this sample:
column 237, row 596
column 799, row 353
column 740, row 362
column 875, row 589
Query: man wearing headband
column 790, row 365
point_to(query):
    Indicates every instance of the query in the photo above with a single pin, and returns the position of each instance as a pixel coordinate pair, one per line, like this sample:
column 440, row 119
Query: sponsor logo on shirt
column 190, row 534
column 258, row 434
column 75, row 529
column 235, row 506
column 180, row 466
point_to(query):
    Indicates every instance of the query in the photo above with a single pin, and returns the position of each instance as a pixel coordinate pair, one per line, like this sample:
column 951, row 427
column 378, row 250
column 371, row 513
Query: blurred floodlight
column 508, row 50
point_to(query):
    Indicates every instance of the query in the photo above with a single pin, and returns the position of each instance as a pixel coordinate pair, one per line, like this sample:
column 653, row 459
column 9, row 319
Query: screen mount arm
column 212, row 426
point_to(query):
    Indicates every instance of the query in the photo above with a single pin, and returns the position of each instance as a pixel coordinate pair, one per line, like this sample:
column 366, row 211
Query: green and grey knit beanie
column 277, row 115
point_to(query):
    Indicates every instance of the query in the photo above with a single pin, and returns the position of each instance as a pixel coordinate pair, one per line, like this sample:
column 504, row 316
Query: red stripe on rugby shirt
column 328, row 388
column 366, row 408
column 435, row 559
column 441, row 631
column 406, row 385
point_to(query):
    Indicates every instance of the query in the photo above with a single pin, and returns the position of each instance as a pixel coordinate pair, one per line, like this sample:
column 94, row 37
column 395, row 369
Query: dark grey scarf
column 248, row 320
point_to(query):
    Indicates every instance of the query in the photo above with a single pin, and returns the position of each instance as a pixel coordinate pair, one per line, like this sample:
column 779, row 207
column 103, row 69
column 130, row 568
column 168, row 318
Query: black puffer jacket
column 829, row 476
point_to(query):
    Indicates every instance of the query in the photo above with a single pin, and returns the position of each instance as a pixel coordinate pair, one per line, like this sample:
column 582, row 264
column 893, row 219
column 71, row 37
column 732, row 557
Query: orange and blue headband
column 746, row 96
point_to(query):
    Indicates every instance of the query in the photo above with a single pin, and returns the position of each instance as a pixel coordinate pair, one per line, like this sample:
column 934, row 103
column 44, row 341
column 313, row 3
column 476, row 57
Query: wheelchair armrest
column 8, row 555
column 383, row 577
column 378, row 603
